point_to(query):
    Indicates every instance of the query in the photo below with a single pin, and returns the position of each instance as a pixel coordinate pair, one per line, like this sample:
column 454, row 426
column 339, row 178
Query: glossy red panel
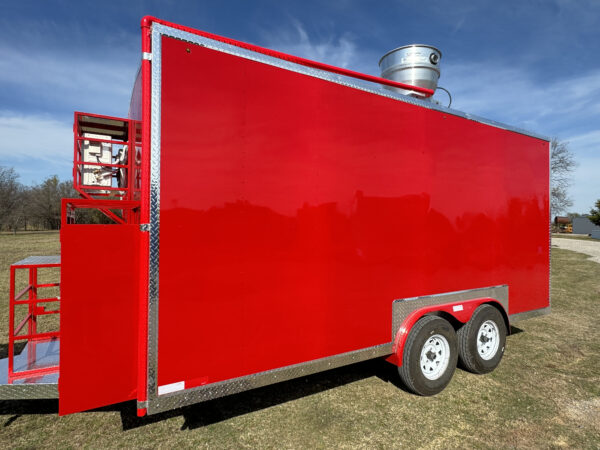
column 99, row 310
column 295, row 210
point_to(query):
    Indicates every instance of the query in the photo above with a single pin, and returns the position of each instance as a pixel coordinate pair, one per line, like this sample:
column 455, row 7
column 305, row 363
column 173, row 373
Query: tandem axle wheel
column 433, row 348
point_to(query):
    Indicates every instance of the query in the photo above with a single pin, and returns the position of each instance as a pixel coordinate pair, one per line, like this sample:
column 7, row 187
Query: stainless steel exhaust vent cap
column 415, row 64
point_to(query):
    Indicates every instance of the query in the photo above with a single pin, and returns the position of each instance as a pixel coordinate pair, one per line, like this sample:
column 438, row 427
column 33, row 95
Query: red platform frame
column 36, row 307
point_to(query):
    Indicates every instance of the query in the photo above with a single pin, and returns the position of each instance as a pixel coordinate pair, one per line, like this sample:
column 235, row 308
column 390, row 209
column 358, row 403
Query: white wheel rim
column 435, row 356
column 488, row 340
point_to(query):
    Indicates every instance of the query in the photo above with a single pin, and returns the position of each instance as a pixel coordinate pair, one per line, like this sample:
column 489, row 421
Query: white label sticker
column 457, row 308
column 173, row 387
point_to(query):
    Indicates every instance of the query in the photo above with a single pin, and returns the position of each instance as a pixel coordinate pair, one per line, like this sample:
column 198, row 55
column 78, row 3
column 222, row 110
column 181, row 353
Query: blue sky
column 529, row 63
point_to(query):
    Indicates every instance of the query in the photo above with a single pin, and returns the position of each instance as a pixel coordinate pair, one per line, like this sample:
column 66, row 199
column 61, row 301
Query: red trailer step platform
column 31, row 371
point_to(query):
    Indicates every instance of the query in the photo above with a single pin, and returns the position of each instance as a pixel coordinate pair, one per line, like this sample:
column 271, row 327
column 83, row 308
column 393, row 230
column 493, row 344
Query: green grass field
column 544, row 394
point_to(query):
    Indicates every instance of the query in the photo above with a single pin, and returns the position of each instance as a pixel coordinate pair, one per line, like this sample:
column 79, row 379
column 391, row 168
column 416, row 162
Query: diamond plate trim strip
column 233, row 386
column 514, row 318
column 154, row 250
column 328, row 76
column 402, row 308
column 28, row 391
column 33, row 260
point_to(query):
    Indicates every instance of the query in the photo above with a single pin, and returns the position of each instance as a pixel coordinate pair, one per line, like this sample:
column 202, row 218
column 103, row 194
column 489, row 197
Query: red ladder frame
column 36, row 308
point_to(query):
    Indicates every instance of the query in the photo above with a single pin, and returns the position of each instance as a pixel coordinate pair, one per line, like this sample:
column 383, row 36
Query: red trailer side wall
column 293, row 211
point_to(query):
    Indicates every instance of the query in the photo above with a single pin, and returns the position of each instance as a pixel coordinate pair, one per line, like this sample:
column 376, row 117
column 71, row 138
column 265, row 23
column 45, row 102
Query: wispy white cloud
column 67, row 81
column 26, row 136
column 513, row 95
column 33, row 144
column 329, row 48
column 48, row 70
column 589, row 141
column 586, row 177
column 585, row 189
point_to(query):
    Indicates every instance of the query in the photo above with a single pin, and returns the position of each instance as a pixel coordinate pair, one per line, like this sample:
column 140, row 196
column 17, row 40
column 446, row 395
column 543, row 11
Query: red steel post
column 31, row 351
column 11, row 321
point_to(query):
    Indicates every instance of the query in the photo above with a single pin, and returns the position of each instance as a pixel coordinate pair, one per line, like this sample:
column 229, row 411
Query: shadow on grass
column 18, row 408
column 220, row 409
column 217, row 410
column 514, row 330
column 19, row 346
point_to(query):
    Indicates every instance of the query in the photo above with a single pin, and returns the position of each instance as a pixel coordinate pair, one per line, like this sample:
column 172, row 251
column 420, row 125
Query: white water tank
column 97, row 152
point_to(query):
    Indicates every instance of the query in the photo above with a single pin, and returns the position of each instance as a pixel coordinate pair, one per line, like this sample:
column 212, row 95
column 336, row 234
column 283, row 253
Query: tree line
column 31, row 207
column 36, row 207
column 562, row 165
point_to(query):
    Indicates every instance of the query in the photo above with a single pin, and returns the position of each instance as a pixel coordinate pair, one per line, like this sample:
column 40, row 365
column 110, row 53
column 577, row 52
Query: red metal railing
column 120, row 179
column 27, row 328
column 130, row 209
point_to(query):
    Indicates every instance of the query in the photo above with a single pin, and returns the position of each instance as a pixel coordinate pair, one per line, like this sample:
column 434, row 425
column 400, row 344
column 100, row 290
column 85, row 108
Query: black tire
column 490, row 352
column 423, row 334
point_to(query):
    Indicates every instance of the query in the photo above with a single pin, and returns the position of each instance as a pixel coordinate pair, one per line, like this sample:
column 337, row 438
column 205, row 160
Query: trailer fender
column 457, row 313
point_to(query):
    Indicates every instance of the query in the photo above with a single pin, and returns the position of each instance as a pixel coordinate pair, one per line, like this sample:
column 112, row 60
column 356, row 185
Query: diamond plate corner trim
column 154, row 244
column 515, row 318
column 28, row 391
column 328, row 76
column 401, row 308
column 253, row 381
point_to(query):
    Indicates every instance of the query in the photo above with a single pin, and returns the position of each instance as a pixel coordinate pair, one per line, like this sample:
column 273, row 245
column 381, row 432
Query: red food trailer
column 260, row 205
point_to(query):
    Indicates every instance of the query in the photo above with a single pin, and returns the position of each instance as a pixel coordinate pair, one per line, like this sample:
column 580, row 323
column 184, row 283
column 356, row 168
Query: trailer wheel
column 430, row 356
column 481, row 340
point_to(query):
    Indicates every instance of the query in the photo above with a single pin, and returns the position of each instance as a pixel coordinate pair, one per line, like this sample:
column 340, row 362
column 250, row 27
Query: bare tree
column 11, row 199
column 595, row 214
column 562, row 164
column 44, row 201
column 40, row 205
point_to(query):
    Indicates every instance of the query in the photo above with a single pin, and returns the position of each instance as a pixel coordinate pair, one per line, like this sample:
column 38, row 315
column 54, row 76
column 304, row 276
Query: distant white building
column 583, row 225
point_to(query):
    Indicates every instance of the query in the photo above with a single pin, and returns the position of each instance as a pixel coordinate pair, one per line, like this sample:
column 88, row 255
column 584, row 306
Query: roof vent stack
column 416, row 64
